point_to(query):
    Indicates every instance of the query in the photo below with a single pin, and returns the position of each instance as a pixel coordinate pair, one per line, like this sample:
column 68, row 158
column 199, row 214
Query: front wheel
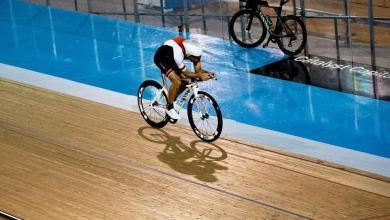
column 247, row 29
column 292, row 35
column 152, row 103
column 205, row 116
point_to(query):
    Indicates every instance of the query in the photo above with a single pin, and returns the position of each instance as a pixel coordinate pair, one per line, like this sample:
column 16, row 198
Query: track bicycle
column 249, row 27
column 204, row 114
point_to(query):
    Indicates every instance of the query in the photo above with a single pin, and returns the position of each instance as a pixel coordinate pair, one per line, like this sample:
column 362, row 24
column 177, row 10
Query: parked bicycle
column 204, row 114
column 249, row 27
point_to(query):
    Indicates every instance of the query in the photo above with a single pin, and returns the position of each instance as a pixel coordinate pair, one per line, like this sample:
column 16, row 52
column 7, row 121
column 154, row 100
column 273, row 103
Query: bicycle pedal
column 266, row 43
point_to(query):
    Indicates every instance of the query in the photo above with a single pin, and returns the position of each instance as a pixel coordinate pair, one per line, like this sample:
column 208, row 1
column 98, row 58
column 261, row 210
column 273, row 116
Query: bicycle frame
column 192, row 89
column 278, row 11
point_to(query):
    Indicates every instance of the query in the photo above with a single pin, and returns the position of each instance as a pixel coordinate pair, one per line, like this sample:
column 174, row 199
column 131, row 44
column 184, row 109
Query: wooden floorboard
column 63, row 157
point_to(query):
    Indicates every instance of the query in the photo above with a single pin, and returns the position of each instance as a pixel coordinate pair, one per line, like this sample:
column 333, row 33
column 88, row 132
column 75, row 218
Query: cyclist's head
column 193, row 48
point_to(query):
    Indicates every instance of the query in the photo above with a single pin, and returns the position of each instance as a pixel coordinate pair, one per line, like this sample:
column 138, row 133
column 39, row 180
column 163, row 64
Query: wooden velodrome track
column 63, row 157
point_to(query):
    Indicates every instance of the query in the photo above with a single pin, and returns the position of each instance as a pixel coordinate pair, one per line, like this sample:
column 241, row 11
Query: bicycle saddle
column 254, row 3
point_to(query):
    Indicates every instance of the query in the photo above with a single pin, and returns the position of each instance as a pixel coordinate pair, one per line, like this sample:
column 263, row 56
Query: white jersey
column 178, row 54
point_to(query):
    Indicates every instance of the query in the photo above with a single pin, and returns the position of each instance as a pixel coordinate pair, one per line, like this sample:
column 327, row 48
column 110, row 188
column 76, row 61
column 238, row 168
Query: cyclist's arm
column 199, row 72
column 201, row 75
column 198, row 68
column 190, row 74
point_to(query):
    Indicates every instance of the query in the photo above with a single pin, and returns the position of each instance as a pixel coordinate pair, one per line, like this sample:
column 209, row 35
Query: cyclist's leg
column 165, row 61
column 183, row 86
column 162, row 58
column 173, row 91
column 175, row 87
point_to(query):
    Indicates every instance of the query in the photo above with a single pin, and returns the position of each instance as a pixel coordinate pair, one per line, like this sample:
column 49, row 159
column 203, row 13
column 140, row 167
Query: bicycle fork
column 203, row 113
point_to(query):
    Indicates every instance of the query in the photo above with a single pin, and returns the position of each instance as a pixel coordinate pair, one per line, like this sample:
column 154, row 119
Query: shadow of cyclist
column 198, row 160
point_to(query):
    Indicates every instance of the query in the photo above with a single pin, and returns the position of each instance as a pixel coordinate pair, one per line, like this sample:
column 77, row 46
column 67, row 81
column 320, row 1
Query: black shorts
column 164, row 59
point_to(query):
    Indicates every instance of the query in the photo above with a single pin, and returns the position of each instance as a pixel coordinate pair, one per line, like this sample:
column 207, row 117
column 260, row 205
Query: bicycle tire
column 214, row 135
column 141, row 98
column 259, row 39
column 279, row 31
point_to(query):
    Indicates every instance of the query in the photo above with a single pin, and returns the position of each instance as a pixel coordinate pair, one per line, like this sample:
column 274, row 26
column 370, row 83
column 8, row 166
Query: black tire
column 213, row 134
column 296, row 25
column 257, row 28
column 153, row 116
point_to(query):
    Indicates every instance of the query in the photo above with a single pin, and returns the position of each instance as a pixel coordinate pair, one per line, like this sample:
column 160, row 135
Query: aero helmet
column 192, row 47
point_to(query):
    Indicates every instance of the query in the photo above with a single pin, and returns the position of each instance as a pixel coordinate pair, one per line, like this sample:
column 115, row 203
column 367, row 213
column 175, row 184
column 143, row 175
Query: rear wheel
column 152, row 103
column 247, row 29
column 205, row 116
column 293, row 35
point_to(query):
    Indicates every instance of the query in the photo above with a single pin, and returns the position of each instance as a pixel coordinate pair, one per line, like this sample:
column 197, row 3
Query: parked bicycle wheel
column 247, row 29
column 152, row 103
column 294, row 36
column 205, row 116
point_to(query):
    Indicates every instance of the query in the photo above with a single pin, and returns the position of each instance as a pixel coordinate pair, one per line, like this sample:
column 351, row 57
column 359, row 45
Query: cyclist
column 169, row 58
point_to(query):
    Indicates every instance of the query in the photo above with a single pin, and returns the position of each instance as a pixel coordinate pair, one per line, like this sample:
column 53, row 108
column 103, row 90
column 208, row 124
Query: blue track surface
column 118, row 56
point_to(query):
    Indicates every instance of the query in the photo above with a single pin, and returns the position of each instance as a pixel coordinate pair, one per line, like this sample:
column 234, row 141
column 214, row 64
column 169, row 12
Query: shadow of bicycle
column 200, row 159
